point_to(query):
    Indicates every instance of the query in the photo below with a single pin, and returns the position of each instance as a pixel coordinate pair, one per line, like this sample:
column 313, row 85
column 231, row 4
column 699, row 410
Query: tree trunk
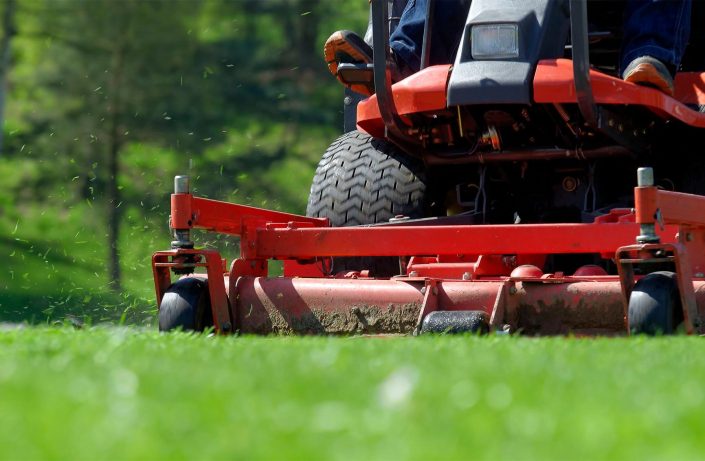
column 8, row 27
column 113, row 208
column 114, row 145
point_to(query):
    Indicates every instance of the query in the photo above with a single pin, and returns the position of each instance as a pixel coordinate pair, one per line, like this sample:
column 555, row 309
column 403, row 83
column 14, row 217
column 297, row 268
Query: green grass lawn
column 128, row 394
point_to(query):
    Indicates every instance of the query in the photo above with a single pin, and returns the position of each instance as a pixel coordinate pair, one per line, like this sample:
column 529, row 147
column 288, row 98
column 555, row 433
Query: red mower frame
column 483, row 267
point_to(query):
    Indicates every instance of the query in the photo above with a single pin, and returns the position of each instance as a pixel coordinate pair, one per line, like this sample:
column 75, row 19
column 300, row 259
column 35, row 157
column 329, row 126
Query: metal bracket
column 430, row 302
column 350, row 102
column 499, row 310
column 164, row 261
column 649, row 254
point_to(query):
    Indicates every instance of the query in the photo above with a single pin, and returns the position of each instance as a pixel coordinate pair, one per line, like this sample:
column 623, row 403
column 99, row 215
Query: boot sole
column 338, row 44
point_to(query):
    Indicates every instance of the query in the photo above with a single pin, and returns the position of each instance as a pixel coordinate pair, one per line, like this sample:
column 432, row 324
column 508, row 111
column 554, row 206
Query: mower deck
column 491, row 269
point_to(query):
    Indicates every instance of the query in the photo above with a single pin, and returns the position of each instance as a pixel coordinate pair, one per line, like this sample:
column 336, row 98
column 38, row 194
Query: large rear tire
column 364, row 180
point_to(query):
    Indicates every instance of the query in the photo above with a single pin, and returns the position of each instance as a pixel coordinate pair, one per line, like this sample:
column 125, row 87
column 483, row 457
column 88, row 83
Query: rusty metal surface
column 584, row 307
column 325, row 306
column 346, row 307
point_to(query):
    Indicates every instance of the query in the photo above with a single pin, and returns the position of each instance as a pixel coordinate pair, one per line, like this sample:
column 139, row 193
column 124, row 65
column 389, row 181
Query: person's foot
column 345, row 46
column 648, row 71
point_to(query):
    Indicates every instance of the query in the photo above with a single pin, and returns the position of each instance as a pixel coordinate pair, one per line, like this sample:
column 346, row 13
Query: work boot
column 345, row 46
column 648, row 71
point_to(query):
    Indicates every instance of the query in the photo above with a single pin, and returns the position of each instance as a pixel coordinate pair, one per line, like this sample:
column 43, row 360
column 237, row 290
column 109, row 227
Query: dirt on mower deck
column 561, row 318
column 275, row 306
column 358, row 320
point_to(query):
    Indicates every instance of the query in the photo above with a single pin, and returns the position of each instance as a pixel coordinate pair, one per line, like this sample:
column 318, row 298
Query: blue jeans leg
column 449, row 19
column 656, row 28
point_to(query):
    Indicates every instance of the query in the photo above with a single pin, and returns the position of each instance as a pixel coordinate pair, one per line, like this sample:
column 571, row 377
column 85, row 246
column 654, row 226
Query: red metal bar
column 222, row 319
column 692, row 312
column 553, row 83
column 181, row 213
column 162, row 275
column 445, row 240
column 645, row 200
column 470, row 267
column 693, row 239
column 444, row 270
column 674, row 207
column 422, row 92
column 681, row 209
column 227, row 218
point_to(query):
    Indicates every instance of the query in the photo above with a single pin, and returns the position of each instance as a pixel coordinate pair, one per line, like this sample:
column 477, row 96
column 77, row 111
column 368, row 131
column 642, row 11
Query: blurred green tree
column 108, row 99
column 8, row 32
column 111, row 74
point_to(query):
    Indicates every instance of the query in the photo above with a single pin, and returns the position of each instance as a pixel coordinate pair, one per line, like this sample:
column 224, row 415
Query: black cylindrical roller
column 455, row 322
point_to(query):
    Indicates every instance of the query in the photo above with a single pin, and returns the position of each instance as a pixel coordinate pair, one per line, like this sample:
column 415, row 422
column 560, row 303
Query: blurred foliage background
column 104, row 101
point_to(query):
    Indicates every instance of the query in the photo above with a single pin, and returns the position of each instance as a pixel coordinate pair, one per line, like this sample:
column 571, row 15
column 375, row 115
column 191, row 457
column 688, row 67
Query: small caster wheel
column 655, row 305
column 186, row 306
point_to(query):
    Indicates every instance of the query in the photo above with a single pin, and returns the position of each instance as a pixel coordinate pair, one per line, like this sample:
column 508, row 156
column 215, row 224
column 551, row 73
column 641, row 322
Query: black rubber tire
column 186, row 306
column 456, row 322
column 655, row 305
column 364, row 180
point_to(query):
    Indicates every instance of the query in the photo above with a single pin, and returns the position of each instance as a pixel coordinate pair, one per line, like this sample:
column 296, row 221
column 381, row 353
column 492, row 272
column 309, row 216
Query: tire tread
column 363, row 180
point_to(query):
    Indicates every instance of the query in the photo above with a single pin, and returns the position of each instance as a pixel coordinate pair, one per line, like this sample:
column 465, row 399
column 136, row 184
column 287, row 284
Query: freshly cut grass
column 128, row 394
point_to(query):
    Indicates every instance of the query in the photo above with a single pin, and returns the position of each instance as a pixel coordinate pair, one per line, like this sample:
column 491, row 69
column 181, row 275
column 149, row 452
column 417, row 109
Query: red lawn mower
column 530, row 191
